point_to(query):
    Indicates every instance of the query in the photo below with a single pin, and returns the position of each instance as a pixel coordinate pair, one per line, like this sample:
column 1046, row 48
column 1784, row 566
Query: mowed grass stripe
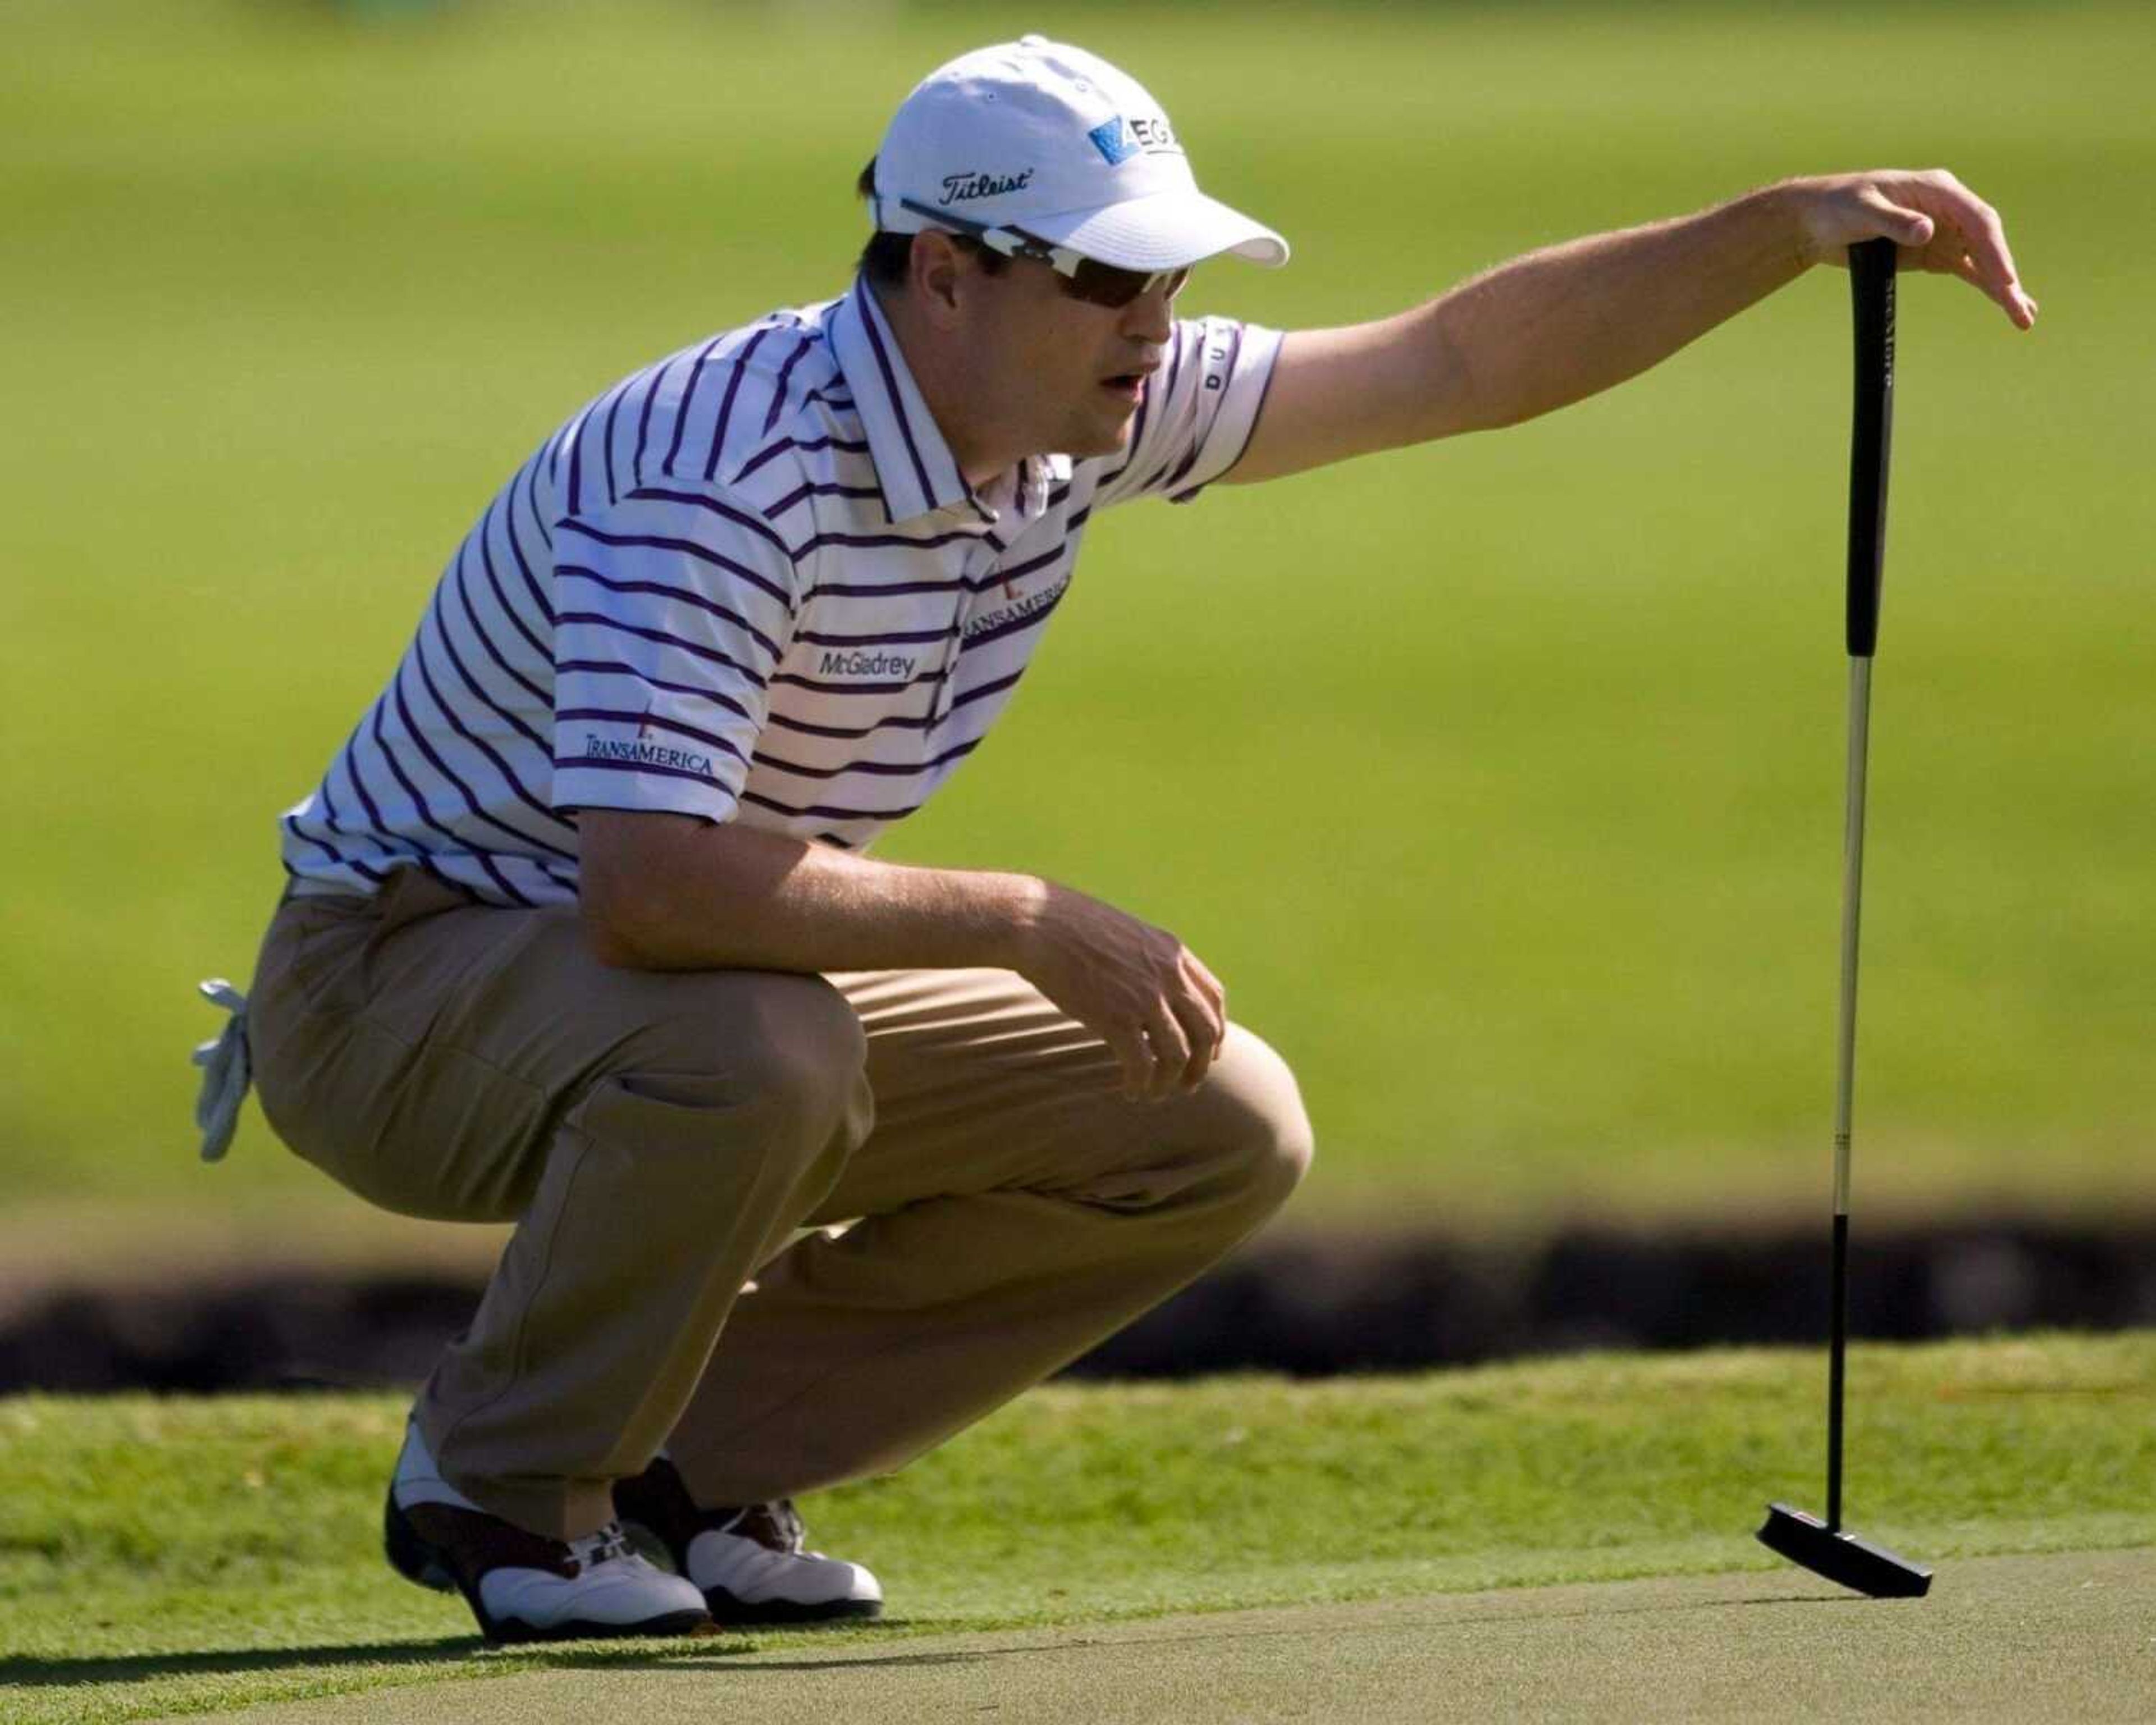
column 208, row 1553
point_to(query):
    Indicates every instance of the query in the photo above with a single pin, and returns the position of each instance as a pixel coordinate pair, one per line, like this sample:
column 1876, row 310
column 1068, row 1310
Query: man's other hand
column 1139, row 988
column 1938, row 222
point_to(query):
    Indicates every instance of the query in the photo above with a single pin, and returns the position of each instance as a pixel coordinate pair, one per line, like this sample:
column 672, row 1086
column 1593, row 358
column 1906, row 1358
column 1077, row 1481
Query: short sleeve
column 1198, row 412
column 672, row 609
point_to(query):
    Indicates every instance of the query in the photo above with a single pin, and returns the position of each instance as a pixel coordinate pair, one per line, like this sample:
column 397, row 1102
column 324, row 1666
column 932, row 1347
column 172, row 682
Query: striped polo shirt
column 747, row 583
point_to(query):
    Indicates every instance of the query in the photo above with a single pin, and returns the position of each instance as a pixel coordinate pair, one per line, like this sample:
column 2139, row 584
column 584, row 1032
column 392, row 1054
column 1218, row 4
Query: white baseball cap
column 1048, row 140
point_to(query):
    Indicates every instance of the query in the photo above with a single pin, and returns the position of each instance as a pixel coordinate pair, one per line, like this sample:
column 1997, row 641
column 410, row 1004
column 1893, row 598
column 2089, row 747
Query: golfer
column 583, row 931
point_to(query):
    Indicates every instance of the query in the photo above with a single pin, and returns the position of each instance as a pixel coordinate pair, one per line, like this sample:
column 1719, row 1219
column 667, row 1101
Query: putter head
column 1857, row 1563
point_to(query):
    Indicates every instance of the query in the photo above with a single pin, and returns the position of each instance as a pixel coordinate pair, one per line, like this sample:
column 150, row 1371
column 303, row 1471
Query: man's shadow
column 34, row 1670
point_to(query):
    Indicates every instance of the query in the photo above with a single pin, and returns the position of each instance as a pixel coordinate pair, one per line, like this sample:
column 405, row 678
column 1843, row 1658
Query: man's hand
column 1137, row 988
column 1938, row 222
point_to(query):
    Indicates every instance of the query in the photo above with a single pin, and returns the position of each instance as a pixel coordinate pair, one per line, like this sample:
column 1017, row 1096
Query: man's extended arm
column 1558, row 325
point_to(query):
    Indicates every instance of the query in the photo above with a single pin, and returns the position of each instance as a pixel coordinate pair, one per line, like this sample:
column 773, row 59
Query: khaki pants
column 658, row 1138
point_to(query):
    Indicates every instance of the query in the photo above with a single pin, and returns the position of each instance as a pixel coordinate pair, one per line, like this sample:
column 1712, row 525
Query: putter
column 1822, row 1546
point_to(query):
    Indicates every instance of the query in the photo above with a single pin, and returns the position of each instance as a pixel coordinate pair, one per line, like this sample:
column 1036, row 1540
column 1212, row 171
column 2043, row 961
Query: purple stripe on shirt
column 926, row 680
column 688, row 399
column 883, row 541
column 785, row 374
column 611, row 715
column 712, row 505
column 894, row 400
column 350, row 762
column 664, row 637
column 844, row 445
column 388, row 756
column 606, row 442
column 614, row 668
column 577, row 458
column 654, row 378
column 509, row 775
column 1198, row 448
column 531, row 508
column 1175, row 350
column 290, row 823
column 454, row 580
column 517, row 551
column 986, row 689
column 688, row 548
column 420, row 807
column 417, row 661
column 330, row 820
column 879, row 590
column 886, row 769
column 823, row 812
column 853, row 733
column 679, row 595
column 817, row 638
column 1019, row 572
column 501, row 599
column 740, row 364
column 808, row 489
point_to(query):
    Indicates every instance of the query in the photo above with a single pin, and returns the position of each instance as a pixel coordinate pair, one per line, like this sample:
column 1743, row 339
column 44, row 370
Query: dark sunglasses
column 1079, row 276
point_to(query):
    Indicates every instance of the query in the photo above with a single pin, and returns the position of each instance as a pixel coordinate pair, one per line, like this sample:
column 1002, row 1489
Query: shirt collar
column 914, row 467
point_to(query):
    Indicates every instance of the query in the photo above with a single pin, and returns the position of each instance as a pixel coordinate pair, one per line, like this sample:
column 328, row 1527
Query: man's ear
column 936, row 272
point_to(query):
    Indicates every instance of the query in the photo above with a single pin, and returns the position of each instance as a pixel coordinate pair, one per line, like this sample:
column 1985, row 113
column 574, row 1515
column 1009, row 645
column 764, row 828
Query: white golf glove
column 228, row 1069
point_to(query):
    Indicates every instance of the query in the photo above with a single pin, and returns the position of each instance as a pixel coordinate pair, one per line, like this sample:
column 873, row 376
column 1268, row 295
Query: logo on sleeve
column 641, row 753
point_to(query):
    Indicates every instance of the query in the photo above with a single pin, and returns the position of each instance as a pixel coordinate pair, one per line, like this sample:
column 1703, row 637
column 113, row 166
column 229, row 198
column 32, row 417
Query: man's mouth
column 1126, row 386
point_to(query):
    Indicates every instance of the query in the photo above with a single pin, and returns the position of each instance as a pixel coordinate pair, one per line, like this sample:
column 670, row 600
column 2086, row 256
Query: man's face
column 1053, row 374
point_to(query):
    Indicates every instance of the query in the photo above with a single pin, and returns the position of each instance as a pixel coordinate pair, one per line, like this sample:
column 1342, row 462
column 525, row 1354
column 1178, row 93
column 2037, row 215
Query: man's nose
column 1150, row 317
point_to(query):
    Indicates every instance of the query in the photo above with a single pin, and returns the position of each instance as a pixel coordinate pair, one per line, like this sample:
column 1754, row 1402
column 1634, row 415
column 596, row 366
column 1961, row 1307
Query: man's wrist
column 1792, row 203
column 1019, row 914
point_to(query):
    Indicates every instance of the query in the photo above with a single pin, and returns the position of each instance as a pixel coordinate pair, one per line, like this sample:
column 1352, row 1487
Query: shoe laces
column 609, row 1543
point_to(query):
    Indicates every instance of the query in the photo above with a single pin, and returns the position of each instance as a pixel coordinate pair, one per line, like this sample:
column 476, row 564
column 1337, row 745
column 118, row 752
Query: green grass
column 1500, row 781
column 204, row 1554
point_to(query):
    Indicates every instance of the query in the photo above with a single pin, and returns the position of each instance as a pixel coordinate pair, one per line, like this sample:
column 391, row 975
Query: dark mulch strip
column 1311, row 1307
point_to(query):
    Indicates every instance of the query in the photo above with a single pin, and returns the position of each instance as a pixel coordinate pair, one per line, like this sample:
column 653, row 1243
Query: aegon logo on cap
column 1119, row 139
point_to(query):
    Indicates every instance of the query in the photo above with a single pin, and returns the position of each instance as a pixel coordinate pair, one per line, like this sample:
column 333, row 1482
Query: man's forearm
column 670, row 893
column 667, row 892
column 1561, row 324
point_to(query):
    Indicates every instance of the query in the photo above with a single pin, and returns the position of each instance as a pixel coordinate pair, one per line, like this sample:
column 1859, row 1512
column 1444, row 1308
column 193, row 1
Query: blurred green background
column 1501, row 780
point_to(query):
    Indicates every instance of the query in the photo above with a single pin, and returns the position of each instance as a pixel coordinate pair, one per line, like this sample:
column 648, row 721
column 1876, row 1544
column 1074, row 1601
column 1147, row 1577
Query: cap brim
column 1164, row 231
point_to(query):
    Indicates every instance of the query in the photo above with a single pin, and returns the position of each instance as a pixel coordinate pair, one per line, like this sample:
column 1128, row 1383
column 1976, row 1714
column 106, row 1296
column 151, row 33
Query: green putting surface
column 215, row 1554
column 2067, row 1635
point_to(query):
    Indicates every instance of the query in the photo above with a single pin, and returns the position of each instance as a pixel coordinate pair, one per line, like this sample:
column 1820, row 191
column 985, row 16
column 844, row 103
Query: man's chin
column 1096, row 439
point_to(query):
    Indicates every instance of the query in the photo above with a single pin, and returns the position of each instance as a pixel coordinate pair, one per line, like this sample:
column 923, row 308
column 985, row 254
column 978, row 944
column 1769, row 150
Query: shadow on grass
column 29, row 1671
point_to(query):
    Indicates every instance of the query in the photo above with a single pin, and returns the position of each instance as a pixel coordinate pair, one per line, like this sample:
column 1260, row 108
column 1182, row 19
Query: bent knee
column 1254, row 1111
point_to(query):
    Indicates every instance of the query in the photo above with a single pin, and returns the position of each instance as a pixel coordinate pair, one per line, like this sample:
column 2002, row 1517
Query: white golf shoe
column 522, row 1586
column 751, row 1561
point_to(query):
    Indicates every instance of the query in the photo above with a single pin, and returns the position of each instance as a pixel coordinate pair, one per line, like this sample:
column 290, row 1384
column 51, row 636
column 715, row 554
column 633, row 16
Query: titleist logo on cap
column 959, row 187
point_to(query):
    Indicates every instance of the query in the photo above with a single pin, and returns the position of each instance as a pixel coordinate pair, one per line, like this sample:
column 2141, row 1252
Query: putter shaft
column 1852, row 902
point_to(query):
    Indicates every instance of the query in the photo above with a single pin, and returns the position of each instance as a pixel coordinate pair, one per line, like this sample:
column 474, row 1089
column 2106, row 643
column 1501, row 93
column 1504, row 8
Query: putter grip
column 1871, row 291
